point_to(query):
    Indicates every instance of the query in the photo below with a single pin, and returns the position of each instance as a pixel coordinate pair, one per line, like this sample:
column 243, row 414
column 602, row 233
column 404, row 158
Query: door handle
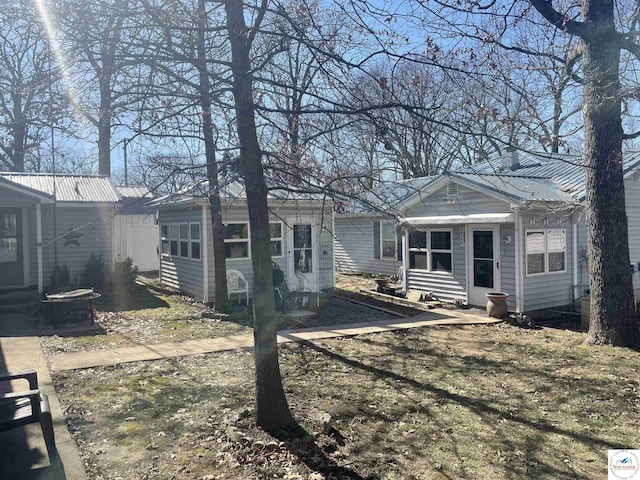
column 498, row 265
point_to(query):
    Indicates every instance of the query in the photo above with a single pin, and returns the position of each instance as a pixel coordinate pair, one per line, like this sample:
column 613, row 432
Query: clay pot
column 497, row 304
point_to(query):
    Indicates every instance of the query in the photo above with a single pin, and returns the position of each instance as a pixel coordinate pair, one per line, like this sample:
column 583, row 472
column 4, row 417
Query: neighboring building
column 301, row 238
column 513, row 224
column 47, row 220
column 135, row 230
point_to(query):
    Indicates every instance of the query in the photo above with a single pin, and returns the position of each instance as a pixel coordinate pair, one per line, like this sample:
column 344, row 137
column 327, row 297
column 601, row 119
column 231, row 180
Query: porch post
column 204, row 249
column 39, row 244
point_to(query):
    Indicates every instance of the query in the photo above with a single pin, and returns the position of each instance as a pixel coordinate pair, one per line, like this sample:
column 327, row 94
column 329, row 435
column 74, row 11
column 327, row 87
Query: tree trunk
column 272, row 410
column 613, row 317
column 221, row 300
column 19, row 133
column 104, row 125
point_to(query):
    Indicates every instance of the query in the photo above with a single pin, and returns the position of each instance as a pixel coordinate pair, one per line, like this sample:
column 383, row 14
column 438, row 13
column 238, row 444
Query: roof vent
column 452, row 189
column 512, row 160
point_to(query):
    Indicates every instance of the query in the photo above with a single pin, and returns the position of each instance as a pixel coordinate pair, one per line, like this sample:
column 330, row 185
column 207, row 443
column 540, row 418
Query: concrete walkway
column 98, row 358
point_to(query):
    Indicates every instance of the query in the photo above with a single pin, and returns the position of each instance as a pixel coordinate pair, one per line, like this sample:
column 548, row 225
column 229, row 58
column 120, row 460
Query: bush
column 124, row 274
column 60, row 277
column 94, row 272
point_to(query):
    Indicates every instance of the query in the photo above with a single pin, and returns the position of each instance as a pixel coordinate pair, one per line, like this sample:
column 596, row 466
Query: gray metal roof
column 68, row 188
column 134, row 192
column 565, row 171
column 233, row 188
column 388, row 195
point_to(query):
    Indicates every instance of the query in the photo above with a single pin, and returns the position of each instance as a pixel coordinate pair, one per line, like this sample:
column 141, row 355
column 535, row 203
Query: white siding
column 632, row 200
column 508, row 263
column 465, row 203
column 136, row 237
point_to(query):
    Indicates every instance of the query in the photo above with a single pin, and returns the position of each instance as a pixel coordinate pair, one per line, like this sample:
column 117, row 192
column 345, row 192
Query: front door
column 484, row 264
column 302, row 261
column 11, row 255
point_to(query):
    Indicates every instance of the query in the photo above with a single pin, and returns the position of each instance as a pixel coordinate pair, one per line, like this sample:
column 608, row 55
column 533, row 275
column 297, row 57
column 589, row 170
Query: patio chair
column 30, row 406
column 236, row 283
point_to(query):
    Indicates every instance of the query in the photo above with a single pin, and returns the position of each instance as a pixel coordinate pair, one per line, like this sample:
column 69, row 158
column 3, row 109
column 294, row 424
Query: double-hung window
column 546, row 251
column 388, row 238
column 276, row 239
column 173, row 239
column 194, row 240
column 164, row 239
column 183, row 230
column 431, row 250
column 236, row 240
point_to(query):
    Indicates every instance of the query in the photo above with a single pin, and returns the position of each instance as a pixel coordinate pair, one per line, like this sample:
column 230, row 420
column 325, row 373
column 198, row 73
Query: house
column 135, row 231
column 48, row 220
column 301, row 238
column 513, row 224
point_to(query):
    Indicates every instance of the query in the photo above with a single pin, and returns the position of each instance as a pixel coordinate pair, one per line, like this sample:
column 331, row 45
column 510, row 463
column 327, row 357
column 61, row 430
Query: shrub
column 60, row 277
column 124, row 274
column 94, row 272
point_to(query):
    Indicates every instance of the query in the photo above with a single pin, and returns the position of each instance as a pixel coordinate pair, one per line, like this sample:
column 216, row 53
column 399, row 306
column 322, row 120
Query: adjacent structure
column 48, row 220
column 301, row 238
column 514, row 224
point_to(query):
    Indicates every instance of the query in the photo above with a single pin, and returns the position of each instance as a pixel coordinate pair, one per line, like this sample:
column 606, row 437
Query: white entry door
column 302, row 260
column 483, row 266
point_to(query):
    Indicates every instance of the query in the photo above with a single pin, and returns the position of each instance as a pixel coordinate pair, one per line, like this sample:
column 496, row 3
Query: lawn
column 483, row 402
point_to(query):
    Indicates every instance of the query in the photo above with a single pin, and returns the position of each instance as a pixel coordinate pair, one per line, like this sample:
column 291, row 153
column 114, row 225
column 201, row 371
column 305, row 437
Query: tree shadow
column 126, row 298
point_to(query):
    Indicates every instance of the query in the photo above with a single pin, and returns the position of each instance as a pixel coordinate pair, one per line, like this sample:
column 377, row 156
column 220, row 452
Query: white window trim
column 395, row 242
column 240, row 240
column 428, row 250
column 198, row 241
column 546, row 252
column 183, row 239
column 165, row 239
column 280, row 239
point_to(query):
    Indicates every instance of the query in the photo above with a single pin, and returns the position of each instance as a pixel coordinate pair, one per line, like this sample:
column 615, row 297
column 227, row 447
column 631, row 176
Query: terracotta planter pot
column 497, row 304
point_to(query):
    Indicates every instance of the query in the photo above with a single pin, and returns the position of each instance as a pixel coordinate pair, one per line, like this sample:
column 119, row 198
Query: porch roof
column 472, row 218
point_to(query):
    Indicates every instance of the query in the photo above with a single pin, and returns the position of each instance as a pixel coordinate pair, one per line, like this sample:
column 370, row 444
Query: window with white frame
column 236, row 240
column 173, row 239
column 164, row 239
column 388, row 239
column 194, row 241
column 276, row 239
column 431, row 250
column 183, row 230
column 546, row 251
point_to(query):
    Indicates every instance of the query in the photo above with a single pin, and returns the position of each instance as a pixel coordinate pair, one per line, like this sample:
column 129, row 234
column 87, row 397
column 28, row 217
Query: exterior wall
column 466, row 202
column 553, row 289
column 632, row 200
column 508, row 264
column 444, row 286
column 354, row 244
column 94, row 223
column 136, row 237
column 183, row 274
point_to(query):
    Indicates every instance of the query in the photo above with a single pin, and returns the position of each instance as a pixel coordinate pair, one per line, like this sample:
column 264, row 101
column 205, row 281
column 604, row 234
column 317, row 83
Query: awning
column 461, row 219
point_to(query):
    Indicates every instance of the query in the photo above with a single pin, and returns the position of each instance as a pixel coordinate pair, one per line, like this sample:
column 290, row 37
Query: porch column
column 39, row 244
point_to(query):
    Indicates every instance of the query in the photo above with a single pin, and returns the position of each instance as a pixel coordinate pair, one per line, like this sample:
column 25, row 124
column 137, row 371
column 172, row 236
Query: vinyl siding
column 508, row 264
column 632, row 197
column 466, row 202
column 553, row 289
column 444, row 286
column 94, row 223
column 354, row 248
column 182, row 273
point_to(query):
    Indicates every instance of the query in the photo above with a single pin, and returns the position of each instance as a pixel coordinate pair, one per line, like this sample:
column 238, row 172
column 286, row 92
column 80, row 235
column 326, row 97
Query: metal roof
column 233, row 188
column 68, row 188
column 388, row 195
column 134, row 192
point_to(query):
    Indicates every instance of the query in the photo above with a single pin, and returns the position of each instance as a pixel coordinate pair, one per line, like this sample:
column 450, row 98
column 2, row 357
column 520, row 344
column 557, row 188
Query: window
column 194, row 240
column 164, row 239
column 173, row 240
column 431, row 251
column 184, row 240
column 236, row 240
column 388, row 236
column 276, row 239
column 546, row 251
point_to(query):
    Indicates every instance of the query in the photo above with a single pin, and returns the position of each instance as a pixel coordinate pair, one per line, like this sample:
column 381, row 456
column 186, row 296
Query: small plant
column 124, row 273
column 94, row 272
column 60, row 276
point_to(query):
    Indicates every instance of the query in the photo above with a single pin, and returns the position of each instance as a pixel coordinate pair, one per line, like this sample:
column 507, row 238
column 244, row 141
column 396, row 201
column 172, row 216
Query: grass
column 484, row 402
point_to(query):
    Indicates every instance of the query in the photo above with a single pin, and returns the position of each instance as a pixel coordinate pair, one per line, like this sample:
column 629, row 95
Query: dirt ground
column 476, row 402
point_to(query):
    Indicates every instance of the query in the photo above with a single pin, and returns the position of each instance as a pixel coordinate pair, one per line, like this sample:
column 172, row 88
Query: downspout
column 204, row 248
column 574, row 231
column 39, row 244
column 519, row 238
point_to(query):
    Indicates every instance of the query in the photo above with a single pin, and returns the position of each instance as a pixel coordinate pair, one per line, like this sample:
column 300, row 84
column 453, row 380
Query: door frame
column 475, row 293
column 302, row 220
column 23, row 234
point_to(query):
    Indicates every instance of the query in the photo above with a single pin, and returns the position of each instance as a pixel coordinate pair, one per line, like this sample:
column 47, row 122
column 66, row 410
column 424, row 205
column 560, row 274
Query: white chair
column 236, row 283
